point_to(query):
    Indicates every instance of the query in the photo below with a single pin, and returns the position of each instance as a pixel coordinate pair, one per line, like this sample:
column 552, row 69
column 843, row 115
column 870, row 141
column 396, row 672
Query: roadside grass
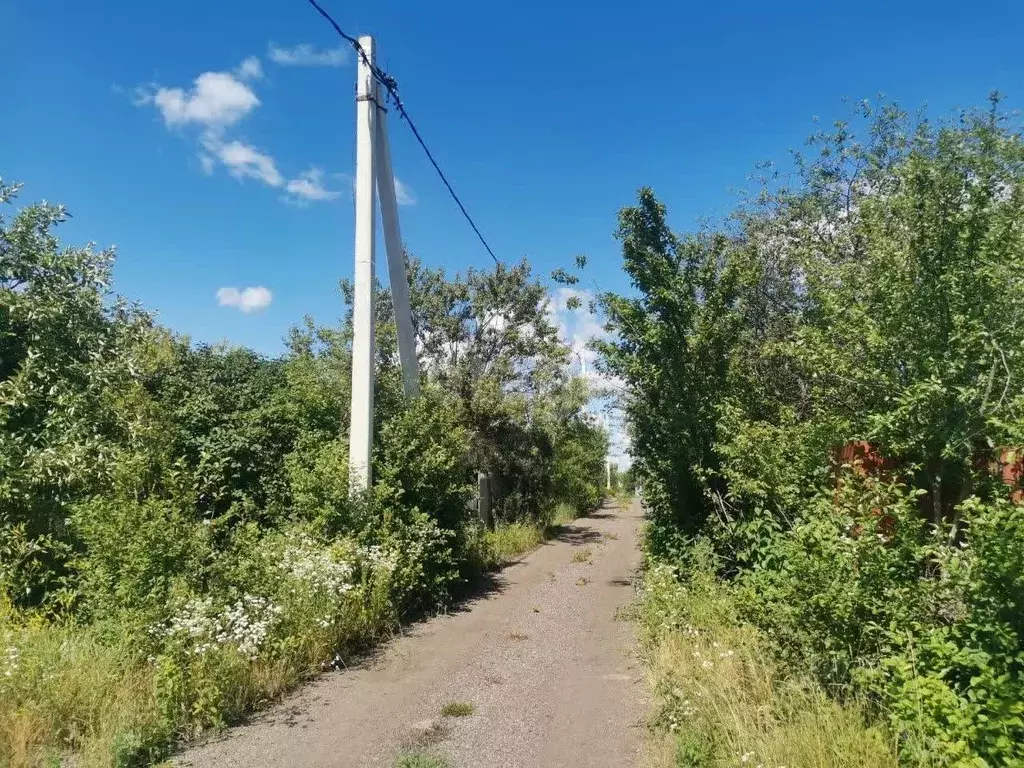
column 457, row 709
column 72, row 690
column 507, row 542
column 720, row 698
column 562, row 514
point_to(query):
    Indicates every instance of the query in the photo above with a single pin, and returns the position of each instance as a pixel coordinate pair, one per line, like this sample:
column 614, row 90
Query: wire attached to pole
column 391, row 86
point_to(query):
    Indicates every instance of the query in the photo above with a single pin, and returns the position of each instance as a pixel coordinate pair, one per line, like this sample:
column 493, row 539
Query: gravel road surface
column 543, row 656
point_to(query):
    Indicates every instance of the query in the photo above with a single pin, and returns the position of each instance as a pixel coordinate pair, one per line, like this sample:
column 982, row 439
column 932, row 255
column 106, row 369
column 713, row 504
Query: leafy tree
column 67, row 366
column 874, row 304
column 488, row 339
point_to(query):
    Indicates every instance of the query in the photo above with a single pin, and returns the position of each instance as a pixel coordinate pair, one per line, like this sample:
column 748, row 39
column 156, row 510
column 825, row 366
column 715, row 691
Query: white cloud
column 577, row 327
column 568, row 309
column 306, row 55
column 143, row 94
column 244, row 161
column 252, row 299
column 309, row 186
column 215, row 103
column 216, row 100
column 403, row 193
column 250, row 69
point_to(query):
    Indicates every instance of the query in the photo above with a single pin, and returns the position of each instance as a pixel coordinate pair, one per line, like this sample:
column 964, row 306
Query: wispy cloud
column 306, row 55
column 250, row 69
column 244, row 161
column 214, row 104
column 404, row 193
column 309, row 186
column 248, row 300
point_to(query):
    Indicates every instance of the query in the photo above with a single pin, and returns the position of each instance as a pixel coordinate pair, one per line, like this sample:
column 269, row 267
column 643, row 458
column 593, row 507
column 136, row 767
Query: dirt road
column 547, row 664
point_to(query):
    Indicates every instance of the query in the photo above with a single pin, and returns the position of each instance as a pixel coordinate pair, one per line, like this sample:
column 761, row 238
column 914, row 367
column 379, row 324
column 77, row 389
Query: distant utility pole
column 608, row 458
column 373, row 171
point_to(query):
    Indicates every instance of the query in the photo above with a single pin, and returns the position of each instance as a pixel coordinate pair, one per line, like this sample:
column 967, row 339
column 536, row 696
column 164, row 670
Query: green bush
column 140, row 554
column 872, row 306
column 178, row 540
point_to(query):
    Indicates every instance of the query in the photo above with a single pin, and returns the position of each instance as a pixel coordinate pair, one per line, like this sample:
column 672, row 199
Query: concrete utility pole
column 373, row 173
column 607, row 458
column 396, row 256
column 361, row 423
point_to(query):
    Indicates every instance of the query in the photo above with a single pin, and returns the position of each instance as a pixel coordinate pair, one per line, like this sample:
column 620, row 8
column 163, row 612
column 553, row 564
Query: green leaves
column 877, row 300
column 67, row 362
column 487, row 340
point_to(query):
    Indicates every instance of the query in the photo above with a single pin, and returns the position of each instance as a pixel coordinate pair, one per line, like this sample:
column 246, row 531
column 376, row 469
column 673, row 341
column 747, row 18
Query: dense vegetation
column 177, row 539
column 827, row 412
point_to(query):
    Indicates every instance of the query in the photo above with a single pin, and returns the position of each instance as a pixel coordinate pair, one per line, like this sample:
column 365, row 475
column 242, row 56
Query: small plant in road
column 457, row 709
column 420, row 759
column 583, row 556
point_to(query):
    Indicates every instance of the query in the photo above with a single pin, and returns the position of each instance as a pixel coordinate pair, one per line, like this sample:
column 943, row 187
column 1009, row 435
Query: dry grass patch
column 583, row 556
column 723, row 701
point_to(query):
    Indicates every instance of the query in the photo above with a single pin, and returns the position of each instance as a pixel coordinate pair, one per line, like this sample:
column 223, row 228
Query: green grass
column 583, row 556
column 508, row 542
column 457, row 709
column 420, row 759
column 74, row 690
column 563, row 513
column 722, row 699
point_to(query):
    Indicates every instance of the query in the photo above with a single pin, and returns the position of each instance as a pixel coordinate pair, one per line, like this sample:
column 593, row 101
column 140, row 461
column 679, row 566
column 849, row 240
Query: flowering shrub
column 9, row 655
column 244, row 625
column 178, row 540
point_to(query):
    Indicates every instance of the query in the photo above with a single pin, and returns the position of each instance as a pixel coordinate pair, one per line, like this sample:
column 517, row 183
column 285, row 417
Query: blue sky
column 547, row 116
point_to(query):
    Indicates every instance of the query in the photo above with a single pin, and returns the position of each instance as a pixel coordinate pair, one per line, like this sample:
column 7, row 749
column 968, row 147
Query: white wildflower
column 244, row 624
column 9, row 660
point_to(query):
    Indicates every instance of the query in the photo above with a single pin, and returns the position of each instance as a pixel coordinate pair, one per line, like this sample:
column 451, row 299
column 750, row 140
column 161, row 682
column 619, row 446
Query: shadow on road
column 575, row 534
column 482, row 586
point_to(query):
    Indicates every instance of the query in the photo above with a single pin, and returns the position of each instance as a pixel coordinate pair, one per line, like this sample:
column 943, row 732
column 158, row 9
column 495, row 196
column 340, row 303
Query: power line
column 391, row 86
